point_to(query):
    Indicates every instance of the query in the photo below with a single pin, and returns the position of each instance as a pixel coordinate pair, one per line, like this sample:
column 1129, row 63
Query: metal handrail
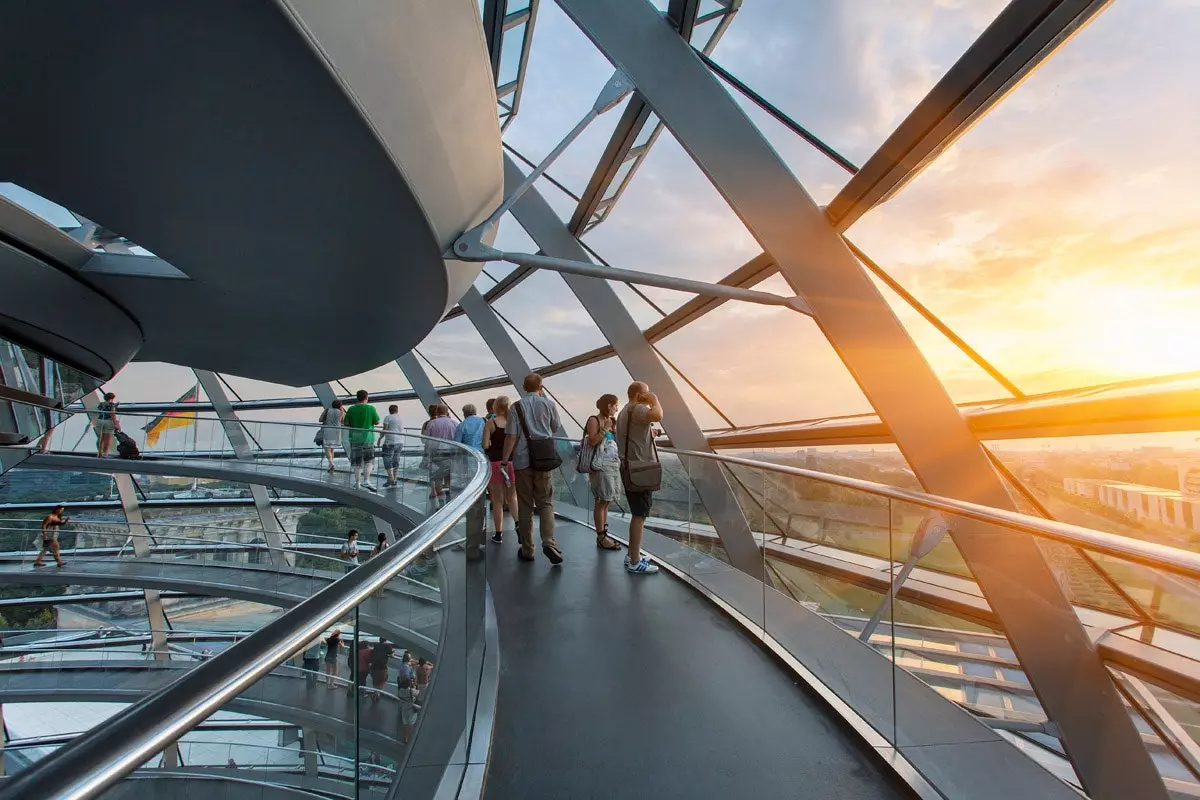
column 101, row 757
column 1149, row 554
column 34, row 524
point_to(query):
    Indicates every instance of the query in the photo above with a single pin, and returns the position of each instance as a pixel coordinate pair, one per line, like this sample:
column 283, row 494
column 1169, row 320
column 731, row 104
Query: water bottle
column 504, row 476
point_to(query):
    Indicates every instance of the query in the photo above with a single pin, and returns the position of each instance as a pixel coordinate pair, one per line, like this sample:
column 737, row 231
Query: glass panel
column 510, row 54
column 1040, row 208
column 880, row 59
column 723, row 354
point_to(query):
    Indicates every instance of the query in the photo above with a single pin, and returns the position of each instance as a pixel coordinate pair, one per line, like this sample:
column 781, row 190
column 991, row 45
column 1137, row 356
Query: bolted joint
column 470, row 247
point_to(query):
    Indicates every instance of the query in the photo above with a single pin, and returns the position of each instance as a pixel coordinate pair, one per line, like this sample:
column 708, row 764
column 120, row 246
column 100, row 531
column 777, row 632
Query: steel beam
column 615, row 322
column 272, row 531
column 139, row 534
column 1061, row 661
column 417, row 378
column 1025, row 34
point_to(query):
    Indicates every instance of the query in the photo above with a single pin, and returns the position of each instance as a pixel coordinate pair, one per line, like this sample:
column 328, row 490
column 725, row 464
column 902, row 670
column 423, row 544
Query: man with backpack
column 529, row 442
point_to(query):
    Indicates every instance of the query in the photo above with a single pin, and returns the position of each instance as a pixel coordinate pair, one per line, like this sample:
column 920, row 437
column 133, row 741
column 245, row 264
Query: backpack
column 543, row 455
column 588, row 458
column 126, row 446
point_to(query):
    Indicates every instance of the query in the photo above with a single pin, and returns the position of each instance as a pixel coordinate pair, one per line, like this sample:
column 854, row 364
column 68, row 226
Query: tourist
column 424, row 671
column 312, row 663
column 432, row 411
column 381, row 544
column 640, row 472
column 470, row 430
column 106, row 424
column 490, row 408
column 380, row 653
column 360, row 665
column 331, row 432
column 50, row 525
column 529, row 442
column 605, row 481
column 361, row 418
column 393, row 443
column 408, row 705
column 441, row 427
column 349, row 551
column 332, row 644
column 502, row 488
column 406, row 666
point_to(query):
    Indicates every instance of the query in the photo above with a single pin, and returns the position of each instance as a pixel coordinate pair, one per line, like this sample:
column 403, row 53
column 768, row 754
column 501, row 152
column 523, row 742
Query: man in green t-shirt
column 361, row 419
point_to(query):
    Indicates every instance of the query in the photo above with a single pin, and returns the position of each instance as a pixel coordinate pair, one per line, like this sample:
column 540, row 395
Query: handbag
column 588, row 458
column 319, row 439
column 543, row 455
column 639, row 476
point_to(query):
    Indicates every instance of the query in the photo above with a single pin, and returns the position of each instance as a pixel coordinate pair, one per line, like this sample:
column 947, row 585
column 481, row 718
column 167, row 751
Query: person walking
column 605, row 481
column 380, row 653
column 349, row 551
column 50, row 525
column 361, row 419
column 640, row 473
column 502, row 487
column 441, row 427
column 331, row 432
column 393, row 443
column 407, row 691
column 333, row 646
column 470, row 430
column 106, row 424
column 312, row 663
column 529, row 443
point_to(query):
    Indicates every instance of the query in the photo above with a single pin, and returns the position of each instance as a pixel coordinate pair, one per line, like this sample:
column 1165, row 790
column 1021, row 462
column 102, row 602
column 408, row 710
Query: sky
column 1058, row 236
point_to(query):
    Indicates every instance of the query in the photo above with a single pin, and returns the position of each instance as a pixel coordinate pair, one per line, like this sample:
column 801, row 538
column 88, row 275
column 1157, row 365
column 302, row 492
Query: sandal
column 606, row 542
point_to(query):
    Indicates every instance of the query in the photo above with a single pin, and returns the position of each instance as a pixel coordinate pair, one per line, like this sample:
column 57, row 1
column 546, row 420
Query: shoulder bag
column 543, row 455
column 639, row 476
column 588, row 459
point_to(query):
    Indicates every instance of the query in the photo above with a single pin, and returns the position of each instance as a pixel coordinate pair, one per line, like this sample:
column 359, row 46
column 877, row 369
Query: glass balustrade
column 357, row 726
column 885, row 573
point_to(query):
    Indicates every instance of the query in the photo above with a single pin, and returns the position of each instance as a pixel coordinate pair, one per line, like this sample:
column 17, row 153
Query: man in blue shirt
column 470, row 430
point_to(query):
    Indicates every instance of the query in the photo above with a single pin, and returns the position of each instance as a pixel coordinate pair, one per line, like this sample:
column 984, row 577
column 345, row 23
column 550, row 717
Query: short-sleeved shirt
column 441, row 428
column 350, row 551
column 361, row 418
column 395, row 429
column 470, row 432
column 542, row 416
column 105, row 410
column 635, row 417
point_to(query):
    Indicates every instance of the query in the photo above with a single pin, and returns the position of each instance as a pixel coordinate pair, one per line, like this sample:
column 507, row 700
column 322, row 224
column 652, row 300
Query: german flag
column 172, row 419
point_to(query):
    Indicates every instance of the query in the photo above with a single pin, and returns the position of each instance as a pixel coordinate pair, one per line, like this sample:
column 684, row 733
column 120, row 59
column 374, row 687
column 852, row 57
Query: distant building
column 1168, row 506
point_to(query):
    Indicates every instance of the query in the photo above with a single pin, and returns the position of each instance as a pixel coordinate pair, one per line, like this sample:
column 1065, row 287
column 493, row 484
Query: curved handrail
column 1150, row 554
column 101, row 757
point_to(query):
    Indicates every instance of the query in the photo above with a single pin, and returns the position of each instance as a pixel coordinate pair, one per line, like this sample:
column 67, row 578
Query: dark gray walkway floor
column 616, row 685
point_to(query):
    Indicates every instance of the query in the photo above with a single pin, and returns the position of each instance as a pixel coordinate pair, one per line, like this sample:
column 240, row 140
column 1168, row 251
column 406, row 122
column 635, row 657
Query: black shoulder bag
column 639, row 476
column 543, row 455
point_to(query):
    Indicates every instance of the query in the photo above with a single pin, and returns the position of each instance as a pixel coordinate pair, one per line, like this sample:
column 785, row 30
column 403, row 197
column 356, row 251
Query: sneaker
column 370, row 488
column 552, row 552
column 643, row 567
column 521, row 556
column 497, row 537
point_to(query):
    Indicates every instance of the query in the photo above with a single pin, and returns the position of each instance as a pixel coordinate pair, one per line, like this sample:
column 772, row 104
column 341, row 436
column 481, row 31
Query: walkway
column 614, row 685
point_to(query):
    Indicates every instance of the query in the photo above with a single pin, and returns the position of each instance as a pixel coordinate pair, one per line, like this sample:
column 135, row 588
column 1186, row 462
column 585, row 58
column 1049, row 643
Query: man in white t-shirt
column 393, row 442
